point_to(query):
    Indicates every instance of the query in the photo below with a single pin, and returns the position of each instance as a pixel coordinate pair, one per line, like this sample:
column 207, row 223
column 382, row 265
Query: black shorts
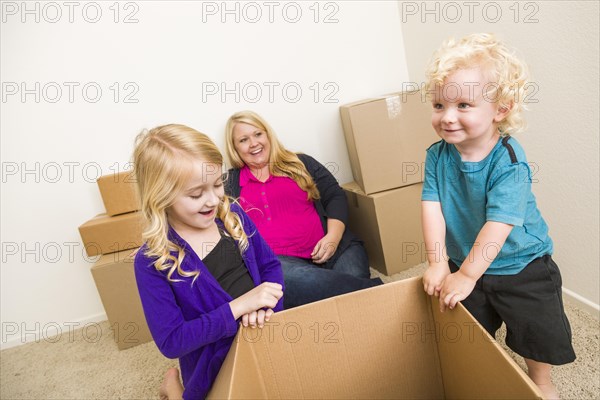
column 530, row 304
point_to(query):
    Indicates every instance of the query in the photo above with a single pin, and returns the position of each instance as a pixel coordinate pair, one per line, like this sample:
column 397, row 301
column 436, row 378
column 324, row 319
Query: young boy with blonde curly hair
column 487, row 243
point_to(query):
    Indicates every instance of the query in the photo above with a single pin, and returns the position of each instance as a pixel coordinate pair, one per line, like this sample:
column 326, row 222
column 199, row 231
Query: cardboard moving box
column 388, row 342
column 103, row 234
column 119, row 193
column 390, row 225
column 387, row 138
column 115, row 280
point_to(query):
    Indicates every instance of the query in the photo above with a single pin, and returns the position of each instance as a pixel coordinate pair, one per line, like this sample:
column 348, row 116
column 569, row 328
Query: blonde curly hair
column 507, row 74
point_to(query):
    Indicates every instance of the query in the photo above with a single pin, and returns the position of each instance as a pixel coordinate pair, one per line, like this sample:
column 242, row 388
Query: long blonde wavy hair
column 163, row 159
column 508, row 75
column 282, row 162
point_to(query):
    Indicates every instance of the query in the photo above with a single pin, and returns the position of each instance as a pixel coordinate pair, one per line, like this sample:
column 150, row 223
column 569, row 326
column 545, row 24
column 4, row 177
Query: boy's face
column 463, row 113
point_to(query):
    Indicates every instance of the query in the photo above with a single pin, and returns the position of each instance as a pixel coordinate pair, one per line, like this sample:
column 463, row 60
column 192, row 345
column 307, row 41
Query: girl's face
column 463, row 114
column 195, row 208
column 252, row 145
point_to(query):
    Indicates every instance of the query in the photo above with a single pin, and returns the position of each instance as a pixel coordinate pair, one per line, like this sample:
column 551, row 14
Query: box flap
column 353, row 153
column 353, row 187
column 474, row 366
column 239, row 377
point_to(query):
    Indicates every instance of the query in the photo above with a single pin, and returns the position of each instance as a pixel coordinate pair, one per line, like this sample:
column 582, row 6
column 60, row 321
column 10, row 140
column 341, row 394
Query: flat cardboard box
column 387, row 138
column 390, row 225
column 387, row 342
column 119, row 193
column 104, row 234
column 115, row 280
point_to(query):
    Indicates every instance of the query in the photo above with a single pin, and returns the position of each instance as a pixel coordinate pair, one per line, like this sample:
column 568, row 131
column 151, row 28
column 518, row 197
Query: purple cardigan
column 194, row 322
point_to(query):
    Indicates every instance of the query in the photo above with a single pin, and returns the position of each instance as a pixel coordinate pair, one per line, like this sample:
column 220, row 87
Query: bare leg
column 540, row 375
column 171, row 388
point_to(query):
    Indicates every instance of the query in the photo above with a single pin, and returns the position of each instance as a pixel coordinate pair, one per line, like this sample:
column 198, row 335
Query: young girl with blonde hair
column 203, row 265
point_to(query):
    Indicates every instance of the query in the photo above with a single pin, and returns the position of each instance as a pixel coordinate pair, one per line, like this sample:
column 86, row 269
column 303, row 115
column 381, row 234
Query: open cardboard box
column 387, row 342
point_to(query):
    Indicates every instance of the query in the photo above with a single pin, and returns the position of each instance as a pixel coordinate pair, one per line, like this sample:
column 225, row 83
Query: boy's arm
column 434, row 234
column 458, row 286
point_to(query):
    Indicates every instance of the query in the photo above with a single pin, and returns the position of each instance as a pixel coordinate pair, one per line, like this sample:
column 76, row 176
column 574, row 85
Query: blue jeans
column 306, row 282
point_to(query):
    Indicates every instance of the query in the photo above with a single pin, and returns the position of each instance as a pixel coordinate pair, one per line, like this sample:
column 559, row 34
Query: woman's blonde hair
column 507, row 74
column 163, row 159
column 282, row 162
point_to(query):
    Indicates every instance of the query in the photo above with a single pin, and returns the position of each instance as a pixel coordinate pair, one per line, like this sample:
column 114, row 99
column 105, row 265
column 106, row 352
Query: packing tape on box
column 394, row 106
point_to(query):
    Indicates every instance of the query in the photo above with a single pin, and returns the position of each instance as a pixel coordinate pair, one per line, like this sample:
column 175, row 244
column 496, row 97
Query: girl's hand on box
column 456, row 287
column 434, row 277
column 257, row 318
column 265, row 295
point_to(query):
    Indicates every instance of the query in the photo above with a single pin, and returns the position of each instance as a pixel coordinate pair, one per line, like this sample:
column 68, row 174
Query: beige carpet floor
column 74, row 368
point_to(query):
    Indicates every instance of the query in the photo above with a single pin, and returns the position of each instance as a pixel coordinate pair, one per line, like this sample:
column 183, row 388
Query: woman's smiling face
column 252, row 145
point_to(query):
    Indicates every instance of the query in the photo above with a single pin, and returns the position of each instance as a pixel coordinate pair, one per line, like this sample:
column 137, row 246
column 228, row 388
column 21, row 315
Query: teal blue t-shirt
column 497, row 188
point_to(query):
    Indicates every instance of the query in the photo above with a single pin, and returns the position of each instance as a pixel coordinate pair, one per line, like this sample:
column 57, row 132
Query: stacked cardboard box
column 120, row 227
column 388, row 342
column 387, row 138
column 115, row 235
column 119, row 193
column 115, row 280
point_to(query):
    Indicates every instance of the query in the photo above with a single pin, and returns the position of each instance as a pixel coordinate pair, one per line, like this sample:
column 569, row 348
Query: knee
column 353, row 261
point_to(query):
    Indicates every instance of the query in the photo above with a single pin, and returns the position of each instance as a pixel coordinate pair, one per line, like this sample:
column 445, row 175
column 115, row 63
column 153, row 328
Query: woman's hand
column 325, row 248
column 265, row 295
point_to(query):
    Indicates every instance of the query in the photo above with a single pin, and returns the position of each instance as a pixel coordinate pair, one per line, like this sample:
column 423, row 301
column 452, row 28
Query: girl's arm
column 269, row 266
column 174, row 336
column 458, row 286
column 434, row 234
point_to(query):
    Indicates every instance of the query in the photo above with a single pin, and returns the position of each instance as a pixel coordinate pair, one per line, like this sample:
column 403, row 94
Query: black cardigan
column 332, row 204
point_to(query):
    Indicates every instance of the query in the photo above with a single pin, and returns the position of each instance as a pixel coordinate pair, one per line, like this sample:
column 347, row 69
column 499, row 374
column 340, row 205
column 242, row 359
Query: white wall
column 174, row 50
column 559, row 41
column 164, row 61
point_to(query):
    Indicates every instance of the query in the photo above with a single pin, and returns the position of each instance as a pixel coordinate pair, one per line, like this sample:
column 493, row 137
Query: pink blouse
column 284, row 216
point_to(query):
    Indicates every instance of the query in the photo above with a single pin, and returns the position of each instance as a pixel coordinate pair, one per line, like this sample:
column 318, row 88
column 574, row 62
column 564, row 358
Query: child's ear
column 502, row 111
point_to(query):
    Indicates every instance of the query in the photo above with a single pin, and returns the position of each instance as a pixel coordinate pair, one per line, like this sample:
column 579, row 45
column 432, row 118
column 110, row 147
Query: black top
column 225, row 263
